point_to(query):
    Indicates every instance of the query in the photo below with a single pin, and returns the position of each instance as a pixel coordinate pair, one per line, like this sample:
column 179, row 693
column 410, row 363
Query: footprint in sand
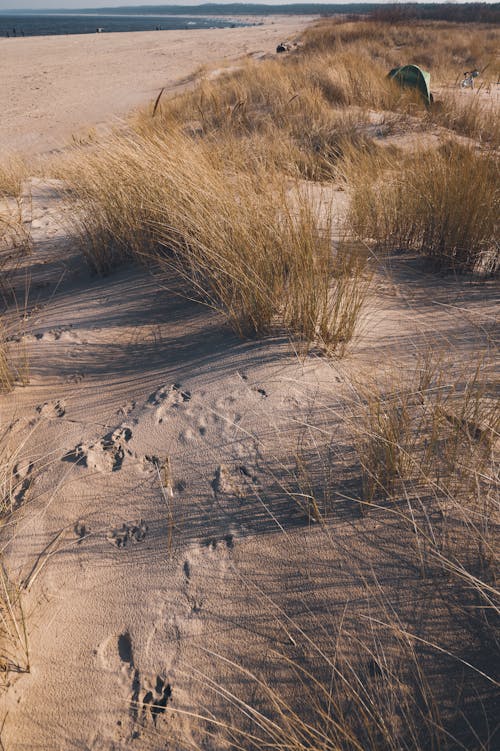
column 116, row 652
column 232, row 481
column 22, row 481
column 52, row 409
column 116, row 655
column 105, row 455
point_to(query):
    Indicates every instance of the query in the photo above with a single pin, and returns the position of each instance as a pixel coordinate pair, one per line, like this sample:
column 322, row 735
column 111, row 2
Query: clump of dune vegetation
column 247, row 244
column 15, row 243
column 422, row 203
column 13, row 171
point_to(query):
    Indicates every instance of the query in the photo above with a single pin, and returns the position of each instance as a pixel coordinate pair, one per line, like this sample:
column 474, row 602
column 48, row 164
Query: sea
column 14, row 26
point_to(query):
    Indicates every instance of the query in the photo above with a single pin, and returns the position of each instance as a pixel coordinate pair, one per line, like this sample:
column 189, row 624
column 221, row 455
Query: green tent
column 415, row 78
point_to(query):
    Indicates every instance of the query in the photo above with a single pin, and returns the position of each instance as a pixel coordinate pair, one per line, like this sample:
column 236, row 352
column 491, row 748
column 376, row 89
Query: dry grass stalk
column 14, row 646
column 16, row 478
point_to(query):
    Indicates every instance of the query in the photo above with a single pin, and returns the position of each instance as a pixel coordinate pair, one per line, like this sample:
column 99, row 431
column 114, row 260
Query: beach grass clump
column 430, row 448
column 249, row 244
column 110, row 194
column 15, row 243
column 472, row 116
column 365, row 679
column 13, row 171
column 424, row 204
column 295, row 111
column 349, row 695
column 445, row 49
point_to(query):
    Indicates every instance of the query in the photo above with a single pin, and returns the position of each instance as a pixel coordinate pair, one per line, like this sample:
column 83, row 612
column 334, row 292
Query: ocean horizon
column 48, row 24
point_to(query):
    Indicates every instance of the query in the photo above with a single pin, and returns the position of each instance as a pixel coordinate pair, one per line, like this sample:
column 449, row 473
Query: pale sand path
column 52, row 87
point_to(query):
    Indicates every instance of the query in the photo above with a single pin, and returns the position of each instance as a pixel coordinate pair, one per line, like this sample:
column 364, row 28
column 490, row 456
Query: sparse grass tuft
column 435, row 435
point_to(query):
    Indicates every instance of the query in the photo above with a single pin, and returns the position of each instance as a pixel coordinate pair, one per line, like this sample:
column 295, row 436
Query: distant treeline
column 460, row 13
column 463, row 12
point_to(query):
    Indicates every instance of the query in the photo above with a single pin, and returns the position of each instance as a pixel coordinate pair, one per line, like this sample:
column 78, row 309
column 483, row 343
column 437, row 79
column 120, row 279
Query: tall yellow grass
column 442, row 203
column 248, row 244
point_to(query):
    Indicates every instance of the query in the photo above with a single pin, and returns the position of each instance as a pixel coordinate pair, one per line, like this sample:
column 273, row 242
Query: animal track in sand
column 52, row 409
column 145, row 702
column 262, row 392
column 128, row 533
column 166, row 397
column 63, row 334
column 154, row 702
column 214, row 544
column 187, row 436
column 126, row 409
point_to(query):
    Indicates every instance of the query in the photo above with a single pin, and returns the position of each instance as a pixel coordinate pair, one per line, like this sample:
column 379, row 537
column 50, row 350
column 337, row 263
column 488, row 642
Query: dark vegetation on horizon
column 459, row 12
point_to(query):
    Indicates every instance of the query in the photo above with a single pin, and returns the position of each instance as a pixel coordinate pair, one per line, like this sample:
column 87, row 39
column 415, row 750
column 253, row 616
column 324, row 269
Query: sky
column 60, row 4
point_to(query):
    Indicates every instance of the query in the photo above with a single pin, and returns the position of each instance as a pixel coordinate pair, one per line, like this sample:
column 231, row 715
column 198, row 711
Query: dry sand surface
column 53, row 87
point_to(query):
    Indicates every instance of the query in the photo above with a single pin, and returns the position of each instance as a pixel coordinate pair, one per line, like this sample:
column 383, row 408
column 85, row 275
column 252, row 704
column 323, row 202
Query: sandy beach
column 54, row 87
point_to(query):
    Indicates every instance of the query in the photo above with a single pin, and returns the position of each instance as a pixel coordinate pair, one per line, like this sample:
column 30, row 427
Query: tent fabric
column 413, row 77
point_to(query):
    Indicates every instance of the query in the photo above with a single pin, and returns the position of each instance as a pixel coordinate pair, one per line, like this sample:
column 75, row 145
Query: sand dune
column 160, row 470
